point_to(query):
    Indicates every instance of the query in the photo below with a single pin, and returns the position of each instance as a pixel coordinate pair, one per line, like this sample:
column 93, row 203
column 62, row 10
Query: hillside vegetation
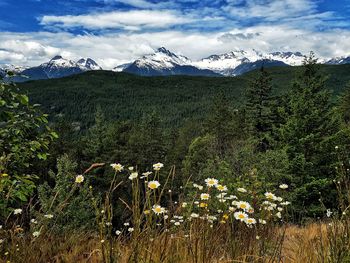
column 177, row 169
column 124, row 96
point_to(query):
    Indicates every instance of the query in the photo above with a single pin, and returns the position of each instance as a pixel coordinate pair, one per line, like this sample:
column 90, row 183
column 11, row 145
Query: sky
column 113, row 32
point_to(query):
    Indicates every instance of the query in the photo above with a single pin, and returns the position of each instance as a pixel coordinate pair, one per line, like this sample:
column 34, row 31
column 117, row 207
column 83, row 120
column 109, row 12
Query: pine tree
column 220, row 123
column 146, row 144
column 305, row 133
column 344, row 107
column 258, row 110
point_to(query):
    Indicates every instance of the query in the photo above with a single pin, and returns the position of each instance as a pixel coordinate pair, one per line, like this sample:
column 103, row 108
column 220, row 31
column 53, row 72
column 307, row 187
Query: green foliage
column 70, row 204
column 126, row 97
column 200, row 151
column 205, row 126
column 220, row 124
column 258, row 110
column 146, row 144
column 24, row 139
column 306, row 132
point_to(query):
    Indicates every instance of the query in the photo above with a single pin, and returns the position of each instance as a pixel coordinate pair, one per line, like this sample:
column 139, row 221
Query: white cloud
column 11, row 56
column 271, row 10
column 112, row 49
column 127, row 20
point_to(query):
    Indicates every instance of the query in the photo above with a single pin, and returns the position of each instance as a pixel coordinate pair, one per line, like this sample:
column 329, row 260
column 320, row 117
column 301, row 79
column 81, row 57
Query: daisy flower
column 133, row 176
column 240, row 216
column 117, row 167
column 221, row 188
column 158, row 209
column 211, row 182
column 17, row 211
column 205, row 196
column 242, row 190
column 79, row 179
column 158, row 166
column 250, row 221
column 270, row 196
column 243, row 205
column 153, row 184
column 194, row 215
column 283, row 186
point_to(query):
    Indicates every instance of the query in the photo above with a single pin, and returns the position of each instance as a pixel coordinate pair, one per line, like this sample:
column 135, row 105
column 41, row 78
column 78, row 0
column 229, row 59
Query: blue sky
column 117, row 31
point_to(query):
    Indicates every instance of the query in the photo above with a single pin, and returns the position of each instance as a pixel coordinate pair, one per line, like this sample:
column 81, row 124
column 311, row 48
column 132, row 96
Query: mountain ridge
column 163, row 62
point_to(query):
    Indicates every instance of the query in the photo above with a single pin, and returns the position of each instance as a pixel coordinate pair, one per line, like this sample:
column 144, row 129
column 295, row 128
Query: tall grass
column 204, row 222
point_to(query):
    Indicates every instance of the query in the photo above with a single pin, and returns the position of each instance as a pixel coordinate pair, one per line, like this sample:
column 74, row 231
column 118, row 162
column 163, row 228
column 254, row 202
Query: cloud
column 112, row 49
column 228, row 37
column 123, row 30
column 132, row 20
column 11, row 56
column 271, row 10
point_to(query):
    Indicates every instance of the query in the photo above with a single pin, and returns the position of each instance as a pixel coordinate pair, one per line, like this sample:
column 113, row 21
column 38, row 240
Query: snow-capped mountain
column 289, row 58
column 222, row 63
column 88, row 64
column 163, row 62
column 237, row 62
column 57, row 67
column 339, row 61
column 121, row 67
column 240, row 61
column 11, row 68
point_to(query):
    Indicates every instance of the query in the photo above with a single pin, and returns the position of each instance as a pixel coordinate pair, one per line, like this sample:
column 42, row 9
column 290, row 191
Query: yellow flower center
column 241, row 216
column 152, row 185
column 243, row 206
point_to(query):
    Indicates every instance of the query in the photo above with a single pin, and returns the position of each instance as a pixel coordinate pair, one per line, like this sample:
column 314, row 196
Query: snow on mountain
column 57, row 67
column 121, row 67
column 13, row 68
column 162, row 58
column 88, row 64
column 223, row 63
column 289, row 58
column 339, row 60
column 226, row 64
column 163, row 62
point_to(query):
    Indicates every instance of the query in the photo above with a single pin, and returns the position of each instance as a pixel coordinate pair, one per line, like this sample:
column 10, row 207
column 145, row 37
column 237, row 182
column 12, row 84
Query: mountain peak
column 57, row 57
column 88, row 64
column 164, row 50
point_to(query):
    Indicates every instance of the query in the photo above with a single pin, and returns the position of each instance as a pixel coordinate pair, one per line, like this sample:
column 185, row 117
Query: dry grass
column 301, row 245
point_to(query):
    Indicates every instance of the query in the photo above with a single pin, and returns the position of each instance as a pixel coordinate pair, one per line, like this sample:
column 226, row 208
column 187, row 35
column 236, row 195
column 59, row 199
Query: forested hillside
column 123, row 96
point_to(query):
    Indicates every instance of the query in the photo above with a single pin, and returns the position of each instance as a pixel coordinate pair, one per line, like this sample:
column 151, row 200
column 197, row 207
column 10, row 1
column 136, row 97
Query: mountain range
column 163, row 62
column 57, row 67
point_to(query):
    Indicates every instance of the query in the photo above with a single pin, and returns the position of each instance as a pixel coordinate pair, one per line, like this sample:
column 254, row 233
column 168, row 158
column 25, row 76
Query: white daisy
column 117, row 167
column 211, row 182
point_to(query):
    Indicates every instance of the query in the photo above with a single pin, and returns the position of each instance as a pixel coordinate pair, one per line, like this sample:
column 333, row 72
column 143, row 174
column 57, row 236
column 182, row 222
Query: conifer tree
column 305, row 133
column 258, row 110
column 220, row 123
